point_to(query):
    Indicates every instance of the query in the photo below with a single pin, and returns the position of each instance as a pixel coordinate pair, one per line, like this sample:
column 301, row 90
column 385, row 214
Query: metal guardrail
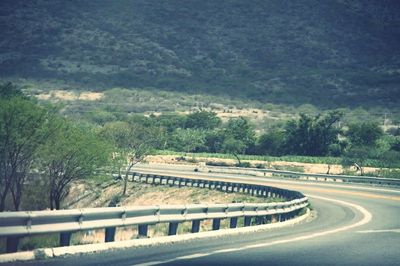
column 307, row 176
column 14, row 225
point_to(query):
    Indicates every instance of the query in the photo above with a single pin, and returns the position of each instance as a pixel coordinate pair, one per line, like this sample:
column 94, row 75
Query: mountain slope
column 329, row 53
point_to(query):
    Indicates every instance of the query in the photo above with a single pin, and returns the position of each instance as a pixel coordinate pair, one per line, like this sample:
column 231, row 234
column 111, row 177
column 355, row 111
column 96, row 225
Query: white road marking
column 367, row 216
column 380, row 231
column 193, row 256
column 154, row 263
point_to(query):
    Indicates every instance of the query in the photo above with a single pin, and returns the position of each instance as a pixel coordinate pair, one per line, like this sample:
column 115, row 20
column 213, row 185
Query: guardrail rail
column 15, row 225
column 307, row 176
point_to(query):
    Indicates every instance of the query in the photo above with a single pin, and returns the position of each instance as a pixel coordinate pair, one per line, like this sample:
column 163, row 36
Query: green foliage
column 234, row 147
column 272, row 143
column 244, row 164
column 390, row 159
column 115, row 200
column 188, row 140
column 202, row 120
column 132, row 139
column 34, row 195
column 70, row 153
column 291, row 158
column 100, row 117
column 365, row 133
column 171, row 121
column 23, row 128
column 389, row 173
column 357, row 156
column 395, row 145
column 35, row 242
column 263, row 54
column 213, row 141
column 241, row 131
column 8, row 90
column 312, row 136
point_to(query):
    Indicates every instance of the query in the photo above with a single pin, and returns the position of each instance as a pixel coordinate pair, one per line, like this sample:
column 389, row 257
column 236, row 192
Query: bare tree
column 133, row 140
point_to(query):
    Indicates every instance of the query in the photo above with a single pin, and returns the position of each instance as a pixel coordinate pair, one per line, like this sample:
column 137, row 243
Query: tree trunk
column 51, row 201
column 16, row 195
column 126, row 179
column 3, row 202
column 57, row 202
column 238, row 159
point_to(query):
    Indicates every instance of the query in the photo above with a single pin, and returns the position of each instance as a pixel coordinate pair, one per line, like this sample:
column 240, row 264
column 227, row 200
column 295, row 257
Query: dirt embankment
column 313, row 168
column 84, row 194
column 63, row 95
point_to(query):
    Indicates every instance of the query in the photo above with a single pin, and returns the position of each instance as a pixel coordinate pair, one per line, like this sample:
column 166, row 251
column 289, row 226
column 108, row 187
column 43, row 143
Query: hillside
column 328, row 53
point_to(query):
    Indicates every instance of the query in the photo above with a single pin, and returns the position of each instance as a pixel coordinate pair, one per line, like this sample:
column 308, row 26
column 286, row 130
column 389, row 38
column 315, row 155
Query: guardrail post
column 233, row 222
column 142, row 229
column 216, row 224
column 12, row 244
column 172, row 229
column 247, row 220
column 65, row 239
column 196, row 226
column 110, row 234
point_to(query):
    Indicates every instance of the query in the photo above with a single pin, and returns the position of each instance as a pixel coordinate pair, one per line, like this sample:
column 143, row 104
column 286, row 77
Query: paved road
column 351, row 225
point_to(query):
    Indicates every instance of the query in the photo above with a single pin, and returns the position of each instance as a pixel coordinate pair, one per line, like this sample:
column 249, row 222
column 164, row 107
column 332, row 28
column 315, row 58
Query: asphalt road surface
column 350, row 225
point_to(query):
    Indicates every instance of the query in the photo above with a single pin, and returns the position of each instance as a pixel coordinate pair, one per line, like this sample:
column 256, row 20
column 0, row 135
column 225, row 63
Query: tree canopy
column 312, row 135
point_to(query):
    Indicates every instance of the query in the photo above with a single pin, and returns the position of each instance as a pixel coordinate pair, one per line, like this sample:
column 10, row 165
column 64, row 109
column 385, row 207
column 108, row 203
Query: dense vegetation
column 42, row 151
column 329, row 53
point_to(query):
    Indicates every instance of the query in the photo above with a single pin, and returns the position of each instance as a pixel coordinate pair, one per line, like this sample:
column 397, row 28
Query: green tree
column 390, row 159
column 202, row 120
column 23, row 128
column 233, row 146
column 170, row 122
column 364, row 134
column 189, row 140
column 133, row 140
column 272, row 143
column 8, row 90
column 312, row 136
column 395, row 145
column 213, row 140
column 241, row 129
column 239, row 136
column 70, row 153
column 357, row 156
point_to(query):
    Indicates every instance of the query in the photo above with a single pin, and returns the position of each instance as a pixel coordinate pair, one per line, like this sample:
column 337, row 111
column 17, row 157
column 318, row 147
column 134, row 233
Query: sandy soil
column 99, row 195
column 70, row 96
column 307, row 167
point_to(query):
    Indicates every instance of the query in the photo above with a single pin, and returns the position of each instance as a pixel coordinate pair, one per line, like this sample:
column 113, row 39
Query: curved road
column 350, row 225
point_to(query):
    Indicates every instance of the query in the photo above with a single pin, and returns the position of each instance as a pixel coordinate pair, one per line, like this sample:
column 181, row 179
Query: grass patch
column 41, row 241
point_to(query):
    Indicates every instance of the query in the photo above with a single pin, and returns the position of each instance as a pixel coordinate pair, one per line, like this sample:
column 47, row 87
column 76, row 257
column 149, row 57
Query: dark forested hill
column 329, row 53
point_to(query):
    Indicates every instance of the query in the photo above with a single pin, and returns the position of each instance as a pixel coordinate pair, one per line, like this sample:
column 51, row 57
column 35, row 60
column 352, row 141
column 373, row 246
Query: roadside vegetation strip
column 300, row 159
